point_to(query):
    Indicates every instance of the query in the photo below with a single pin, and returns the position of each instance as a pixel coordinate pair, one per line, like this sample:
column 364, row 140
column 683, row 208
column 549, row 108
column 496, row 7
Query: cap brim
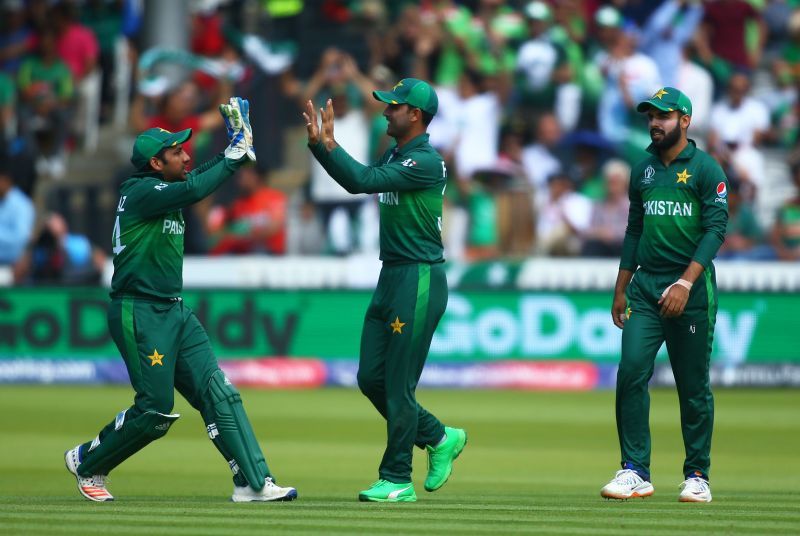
column 387, row 96
column 646, row 105
column 178, row 137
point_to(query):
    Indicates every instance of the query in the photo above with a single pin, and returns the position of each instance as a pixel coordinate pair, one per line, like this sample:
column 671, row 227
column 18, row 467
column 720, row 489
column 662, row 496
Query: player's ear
column 686, row 120
column 156, row 163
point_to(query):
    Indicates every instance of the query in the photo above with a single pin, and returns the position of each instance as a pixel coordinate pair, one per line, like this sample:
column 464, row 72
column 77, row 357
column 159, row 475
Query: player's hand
column 618, row 309
column 236, row 114
column 310, row 115
column 244, row 108
column 326, row 133
column 674, row 301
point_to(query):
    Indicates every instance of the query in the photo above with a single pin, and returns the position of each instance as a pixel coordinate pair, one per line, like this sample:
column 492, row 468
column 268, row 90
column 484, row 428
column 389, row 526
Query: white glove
column 240, row 134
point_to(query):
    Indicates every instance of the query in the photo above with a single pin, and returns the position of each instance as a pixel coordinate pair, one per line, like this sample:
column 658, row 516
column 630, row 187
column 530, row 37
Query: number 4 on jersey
column 115, row 238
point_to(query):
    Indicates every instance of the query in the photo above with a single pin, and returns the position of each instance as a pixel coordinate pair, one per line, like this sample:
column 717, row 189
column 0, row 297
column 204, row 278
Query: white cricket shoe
column 627, row 484
column 695, row 489
column 270, row 492
column 92, row 487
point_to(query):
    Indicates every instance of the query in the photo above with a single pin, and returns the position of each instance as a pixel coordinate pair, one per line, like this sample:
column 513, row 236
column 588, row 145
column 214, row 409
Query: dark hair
column 426, row 117
column 159, row 155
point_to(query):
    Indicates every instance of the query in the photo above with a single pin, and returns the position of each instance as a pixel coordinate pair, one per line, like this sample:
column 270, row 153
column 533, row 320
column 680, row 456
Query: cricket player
column 163, row 344
column 411, row 295
column 666, row 291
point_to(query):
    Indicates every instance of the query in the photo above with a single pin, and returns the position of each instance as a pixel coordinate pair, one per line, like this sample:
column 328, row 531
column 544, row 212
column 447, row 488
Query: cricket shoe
column 627, row 484
column 695, row 489
column 385, row 491
column 92, row 487
column 442, row 456
column 270, row 492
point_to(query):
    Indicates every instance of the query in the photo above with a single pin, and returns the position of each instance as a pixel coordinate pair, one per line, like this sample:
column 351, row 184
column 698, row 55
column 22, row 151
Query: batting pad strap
column 231, row 428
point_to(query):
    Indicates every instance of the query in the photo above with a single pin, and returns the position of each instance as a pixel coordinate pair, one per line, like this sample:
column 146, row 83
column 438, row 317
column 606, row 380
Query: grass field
column 534, row 464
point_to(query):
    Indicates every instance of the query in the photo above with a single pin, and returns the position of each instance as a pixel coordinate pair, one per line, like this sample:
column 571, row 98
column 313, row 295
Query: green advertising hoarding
column 61, row 323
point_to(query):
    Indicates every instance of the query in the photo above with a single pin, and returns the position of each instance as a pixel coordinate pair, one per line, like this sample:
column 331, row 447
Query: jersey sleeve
column 633, row 231
column 713, row 193
column 357, row 178
column 157, row 197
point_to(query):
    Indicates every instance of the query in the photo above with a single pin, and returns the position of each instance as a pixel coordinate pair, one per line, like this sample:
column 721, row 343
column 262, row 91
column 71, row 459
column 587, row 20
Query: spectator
column 697, row 84
column 738, row 125
column 255, row 222
column 337, row 77
column 544, row 74
column 16, row 214
column 630, row 78
column 175, row 111
column 562, row 217
column 606, row 229
column 540, row 158
column 743, row 237
column 16, row 37
column 667, row 31
column 104, row 19
column 58, row 256
column 724, row 32
column 785, row 235
column 8, row 100
column 78, row 48
column 46, row 90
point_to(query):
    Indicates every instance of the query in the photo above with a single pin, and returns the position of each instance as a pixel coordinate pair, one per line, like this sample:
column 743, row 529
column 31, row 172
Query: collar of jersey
column 147, row 174
column 413, row 143
column 686, row 154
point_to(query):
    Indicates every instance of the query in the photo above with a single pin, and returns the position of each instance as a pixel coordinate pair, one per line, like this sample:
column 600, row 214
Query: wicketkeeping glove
column 240, row 134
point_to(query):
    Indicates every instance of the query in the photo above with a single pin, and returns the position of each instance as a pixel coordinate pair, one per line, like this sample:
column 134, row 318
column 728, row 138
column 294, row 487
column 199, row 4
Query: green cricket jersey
column 678, row 213
column 148, row 230
column 410, row 181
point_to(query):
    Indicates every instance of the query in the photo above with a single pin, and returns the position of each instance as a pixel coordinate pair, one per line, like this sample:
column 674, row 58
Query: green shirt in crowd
column 148, row 230
column 678, row 213
column 410, row 183
column 54, row 77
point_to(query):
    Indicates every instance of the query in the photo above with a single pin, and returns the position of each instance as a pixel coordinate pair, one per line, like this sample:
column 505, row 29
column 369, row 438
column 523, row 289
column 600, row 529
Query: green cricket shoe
column 441, row 457
column 385, row 491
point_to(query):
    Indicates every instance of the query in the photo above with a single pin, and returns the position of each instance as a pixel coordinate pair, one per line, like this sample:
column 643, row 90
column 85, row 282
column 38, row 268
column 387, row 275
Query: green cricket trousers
column 398, row 328
column 689, row 338
column 165, row 348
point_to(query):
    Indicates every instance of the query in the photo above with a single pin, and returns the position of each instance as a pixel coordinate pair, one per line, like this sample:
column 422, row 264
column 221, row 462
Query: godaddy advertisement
column 70, row 324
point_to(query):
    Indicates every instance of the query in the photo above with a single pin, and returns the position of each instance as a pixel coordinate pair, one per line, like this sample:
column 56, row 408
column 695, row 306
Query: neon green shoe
column 385, row 491
column 440, row 458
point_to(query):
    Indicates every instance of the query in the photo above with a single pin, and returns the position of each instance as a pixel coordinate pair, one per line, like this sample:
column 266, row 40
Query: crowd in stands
column 536, row 119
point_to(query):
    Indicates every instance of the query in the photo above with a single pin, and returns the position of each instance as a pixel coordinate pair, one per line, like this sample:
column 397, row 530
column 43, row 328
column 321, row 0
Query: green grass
column 535, row 463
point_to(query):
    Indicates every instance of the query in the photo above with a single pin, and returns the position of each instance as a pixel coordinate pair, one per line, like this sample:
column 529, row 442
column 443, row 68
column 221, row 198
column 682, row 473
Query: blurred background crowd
column 536, row 118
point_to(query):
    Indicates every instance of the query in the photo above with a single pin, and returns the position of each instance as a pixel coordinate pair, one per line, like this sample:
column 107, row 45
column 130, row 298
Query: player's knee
column 162, row 403
column 221, row 390
column 368, row 383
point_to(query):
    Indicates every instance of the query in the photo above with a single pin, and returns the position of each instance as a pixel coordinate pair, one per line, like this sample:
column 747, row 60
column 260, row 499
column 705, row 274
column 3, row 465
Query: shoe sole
column 291, row 496
column 458, row 453
column 74, row 473
column 365, row 498
column 692, row 500
column 634, row 495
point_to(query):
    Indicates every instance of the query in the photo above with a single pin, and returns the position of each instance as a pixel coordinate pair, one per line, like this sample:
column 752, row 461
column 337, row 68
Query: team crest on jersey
column 649, row 173
column 408, row 163
column 722, row 193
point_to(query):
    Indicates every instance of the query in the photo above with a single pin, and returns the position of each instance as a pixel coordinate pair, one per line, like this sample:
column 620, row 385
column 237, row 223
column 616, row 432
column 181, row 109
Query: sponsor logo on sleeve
column 722, row 193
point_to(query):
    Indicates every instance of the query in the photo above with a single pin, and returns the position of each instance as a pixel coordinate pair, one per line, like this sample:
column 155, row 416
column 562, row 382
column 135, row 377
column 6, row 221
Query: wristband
column 681, row 282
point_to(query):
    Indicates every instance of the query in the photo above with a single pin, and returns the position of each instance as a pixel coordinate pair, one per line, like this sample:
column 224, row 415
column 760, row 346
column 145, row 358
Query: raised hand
column 327, row 125
column 312, row 127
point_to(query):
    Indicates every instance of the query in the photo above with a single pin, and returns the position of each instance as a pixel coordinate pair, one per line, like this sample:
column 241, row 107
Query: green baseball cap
column 413, row 92
column 152, row 140
column 667, row 99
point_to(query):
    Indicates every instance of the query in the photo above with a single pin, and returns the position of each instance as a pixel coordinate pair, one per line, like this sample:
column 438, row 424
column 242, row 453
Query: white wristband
column 682, row 282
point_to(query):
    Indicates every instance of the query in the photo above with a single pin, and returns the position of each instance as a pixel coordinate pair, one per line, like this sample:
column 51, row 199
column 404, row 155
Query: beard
column 668, row 139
